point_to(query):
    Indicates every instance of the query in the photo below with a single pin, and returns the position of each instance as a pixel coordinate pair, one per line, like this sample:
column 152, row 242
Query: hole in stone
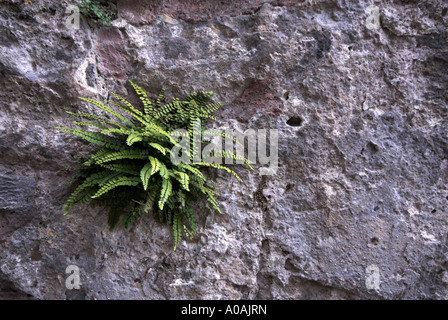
column 376, row 208
column 433, row 211
column 375, row 240
column 372, row 147
column 286, row 95
column 444, row 11
column 294, row 122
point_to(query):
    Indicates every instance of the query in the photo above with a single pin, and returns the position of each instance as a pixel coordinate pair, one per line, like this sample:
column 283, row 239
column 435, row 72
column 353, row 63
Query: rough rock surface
column 363, row 149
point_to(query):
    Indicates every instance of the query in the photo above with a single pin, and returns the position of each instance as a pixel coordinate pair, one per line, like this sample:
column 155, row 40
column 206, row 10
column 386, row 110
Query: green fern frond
column 123, row 131
column 128, row 107
column 94, row 137
column 222, row 134
column 167, row 188
column 124, row 154
column 218, row 166
column 164, row 172
column 155, row 164
column 193, row 170
column 123, row 168
column 91, row 181
column 120, row 181
column 177, row 229
column 132, row 170
column 160, row 98
column 134, row 215
column 133, row 138
column 96, row 117
column 145, row 173
column 102, row 152
column 90, row 124
column 147, row 104
column 159, row 147
column 107, row 109
column 191, row 218
column 183, row 179
column 72, row 200
column 231, row 155
column 212, row 107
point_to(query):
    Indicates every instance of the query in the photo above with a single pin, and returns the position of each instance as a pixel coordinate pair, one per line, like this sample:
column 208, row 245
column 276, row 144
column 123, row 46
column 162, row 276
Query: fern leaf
column 146, row 173
column 158, row 147
column 166, row 109
column 164, row 172
column 120, row 181
column 150, row 199
column 160, row 98
column 155, row 164
column 124, row 154
column 94, row 137
column 191, row 218
column 212, row 107
column 124, row 131
column 107, row 109
column 124, row 168
column 96, row 117
column 182, row 198
column 90, row 124
column 133, row 138
column 102, row 152
column 128, row 106
column 167, row 188
column 223, row 134
column 147, row 104
column 135, row 213
column 218, row 166
column 230, row 154
column 72, row 200
column 183, row 178
column 214, row 203
column 91, row 181
column 194, row 170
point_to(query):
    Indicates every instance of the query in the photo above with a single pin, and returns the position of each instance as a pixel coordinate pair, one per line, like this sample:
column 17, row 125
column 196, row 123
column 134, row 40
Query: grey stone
column 363, row 150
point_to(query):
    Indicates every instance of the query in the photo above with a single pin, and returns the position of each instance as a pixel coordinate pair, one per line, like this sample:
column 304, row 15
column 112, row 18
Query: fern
column 120, row 181
column 177, row 228
column 167, row 188
column 92, row 9
column 124, row 154
column 94, row 137
column 132, row 170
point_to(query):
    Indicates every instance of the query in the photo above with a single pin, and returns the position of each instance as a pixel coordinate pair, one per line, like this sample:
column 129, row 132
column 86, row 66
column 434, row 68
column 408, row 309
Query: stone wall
column 363, row 149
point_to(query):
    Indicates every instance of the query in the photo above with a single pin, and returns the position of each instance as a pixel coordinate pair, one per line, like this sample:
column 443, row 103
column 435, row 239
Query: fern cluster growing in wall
column 132, row 171
column 92, row 9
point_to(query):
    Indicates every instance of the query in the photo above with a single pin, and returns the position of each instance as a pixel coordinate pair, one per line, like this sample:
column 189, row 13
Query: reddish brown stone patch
column 111, row 58
column 137, row 11
column 257, row 96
